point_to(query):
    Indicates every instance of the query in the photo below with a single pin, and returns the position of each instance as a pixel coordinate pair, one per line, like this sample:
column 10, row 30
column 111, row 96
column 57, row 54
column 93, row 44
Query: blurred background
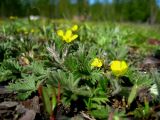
column 140, row 11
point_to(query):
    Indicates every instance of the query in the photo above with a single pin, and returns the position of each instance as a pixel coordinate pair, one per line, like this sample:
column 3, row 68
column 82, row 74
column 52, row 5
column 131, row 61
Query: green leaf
column 5, row 75
column 100, row 100
column 146, row 108
column 46, row 100
column 9, row 69
column 28, row 84
column 132, row 94
column 51, row 90
column 38, row 68
column 52, row 94
column 53, row 102
column 24, row 95
column 96, row 76
column 101, row 113
column 71, row 63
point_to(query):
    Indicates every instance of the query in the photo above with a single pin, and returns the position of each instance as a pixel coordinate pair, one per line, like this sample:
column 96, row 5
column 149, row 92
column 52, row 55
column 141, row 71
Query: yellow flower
column 68, row 36
column 60, row 33
column 96, row 62
column 32, row 30
column 119, row 67
column 13, row 17
column 75, row 28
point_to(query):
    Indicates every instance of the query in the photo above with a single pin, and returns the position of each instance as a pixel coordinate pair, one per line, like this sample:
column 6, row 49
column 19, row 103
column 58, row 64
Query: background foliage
column 117, row 10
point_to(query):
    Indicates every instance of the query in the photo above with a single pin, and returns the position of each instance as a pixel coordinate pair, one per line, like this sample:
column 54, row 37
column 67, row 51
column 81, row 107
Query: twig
column 111, row 116
column 87, row 116
column 54, row 53
column 64, row 54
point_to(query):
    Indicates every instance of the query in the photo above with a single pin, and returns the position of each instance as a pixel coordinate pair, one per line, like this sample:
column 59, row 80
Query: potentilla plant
column 118, row 68
column 87, row 66
column 85, row 69
column 80, row 71
column 59, row 55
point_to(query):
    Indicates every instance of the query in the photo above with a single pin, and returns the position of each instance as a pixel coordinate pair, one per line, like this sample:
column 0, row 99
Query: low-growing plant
column 75, row 65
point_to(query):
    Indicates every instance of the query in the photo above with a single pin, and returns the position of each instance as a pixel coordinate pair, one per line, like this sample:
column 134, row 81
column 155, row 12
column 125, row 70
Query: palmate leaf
column 37, row 68
column 100, row 113
column 139, row 78
column 27, row 84
column 10, row 69
column 71, row 63
column 97, row 100
column 73, row 86
column 70, row 89
column 103, row 83
column 143, row 80
column 82, row 91
column 92, row 51
column 58, row 75
column 70, row 83
column 100, row 99
column 83, row 69
column 24, row 87
column 24, row 95
column 11, row 64
column 67, row 80
column 6, row 75
column 10, row 49
column 95, row 76
column 122, row 52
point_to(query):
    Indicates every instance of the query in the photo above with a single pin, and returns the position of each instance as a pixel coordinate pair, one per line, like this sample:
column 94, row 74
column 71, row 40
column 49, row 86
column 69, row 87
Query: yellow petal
column 115, row 65
column 75, row 28
column 96, row 63
column 119, row 67
column 60, row 33
column 73, row 37
column 124, row 65
column 67, row 40
column 68, row 33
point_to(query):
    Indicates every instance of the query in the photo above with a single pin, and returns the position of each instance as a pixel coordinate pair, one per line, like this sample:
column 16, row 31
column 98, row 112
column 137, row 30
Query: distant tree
column 153, row 11
column 118, row 10
column 64, row 6
column 43, row 6
column 117, row 5
column 11, row 8
column 96, row 10
column 135, row 10
column 83, row 7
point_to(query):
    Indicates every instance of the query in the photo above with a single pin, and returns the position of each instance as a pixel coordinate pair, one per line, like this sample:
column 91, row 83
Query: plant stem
column 51, row 117
column 59, row 92
column 117, row 87
column 40, row 90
